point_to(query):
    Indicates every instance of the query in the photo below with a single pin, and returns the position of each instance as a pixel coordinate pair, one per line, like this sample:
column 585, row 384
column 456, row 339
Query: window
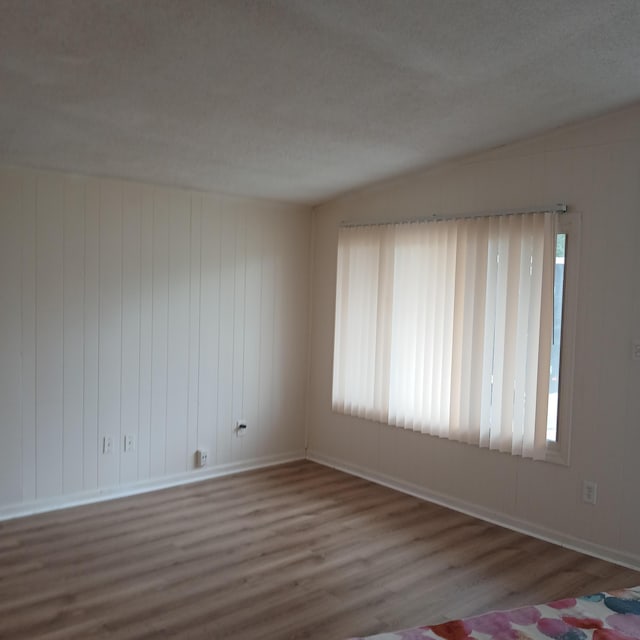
column 556, row 340
column 453, row 328
column 562, row 348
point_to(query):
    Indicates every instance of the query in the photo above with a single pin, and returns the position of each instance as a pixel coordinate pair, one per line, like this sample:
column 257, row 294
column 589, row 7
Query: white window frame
column 558, row 451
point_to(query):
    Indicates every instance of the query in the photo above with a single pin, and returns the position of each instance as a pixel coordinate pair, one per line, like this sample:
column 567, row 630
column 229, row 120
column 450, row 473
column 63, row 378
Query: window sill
column 556, row 454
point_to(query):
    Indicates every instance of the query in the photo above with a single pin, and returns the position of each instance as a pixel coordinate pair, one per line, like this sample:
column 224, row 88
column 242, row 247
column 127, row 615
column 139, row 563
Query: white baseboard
column 629, row 560
column 122, row 491
column 516, row 524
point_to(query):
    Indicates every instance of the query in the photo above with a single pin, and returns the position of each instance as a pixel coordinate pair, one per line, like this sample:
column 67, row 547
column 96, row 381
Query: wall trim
column 145, row 486
column 488, row 515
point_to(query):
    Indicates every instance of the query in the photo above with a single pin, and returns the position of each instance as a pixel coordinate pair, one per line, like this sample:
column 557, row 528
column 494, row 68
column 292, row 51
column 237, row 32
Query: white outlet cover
column 107, row 444
column 202, row 457
column 590, row 492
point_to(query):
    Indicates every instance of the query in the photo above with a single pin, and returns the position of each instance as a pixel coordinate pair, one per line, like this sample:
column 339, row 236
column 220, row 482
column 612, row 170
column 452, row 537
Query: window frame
column 558, row 451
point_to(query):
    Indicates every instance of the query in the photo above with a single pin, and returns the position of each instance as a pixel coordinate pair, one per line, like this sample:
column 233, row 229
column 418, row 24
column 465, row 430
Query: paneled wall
column 595, row 168
column 164, row 314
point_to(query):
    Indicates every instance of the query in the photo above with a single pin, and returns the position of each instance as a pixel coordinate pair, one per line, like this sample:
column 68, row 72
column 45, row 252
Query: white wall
column 132, row 309
column 595, row 168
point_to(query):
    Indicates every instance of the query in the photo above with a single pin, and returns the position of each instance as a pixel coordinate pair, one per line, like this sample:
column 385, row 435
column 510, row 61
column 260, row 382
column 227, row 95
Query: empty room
column 320, row 319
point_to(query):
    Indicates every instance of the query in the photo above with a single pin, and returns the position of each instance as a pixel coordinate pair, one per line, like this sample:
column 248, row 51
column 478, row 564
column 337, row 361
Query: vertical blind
column 445, row 328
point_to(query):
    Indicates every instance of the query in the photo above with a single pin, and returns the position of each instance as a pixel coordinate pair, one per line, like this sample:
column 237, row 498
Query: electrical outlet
column 240, row 428
column 589, row 491
column 635, row 349
column 129, row 443
column 107, row 444
column 202, row 457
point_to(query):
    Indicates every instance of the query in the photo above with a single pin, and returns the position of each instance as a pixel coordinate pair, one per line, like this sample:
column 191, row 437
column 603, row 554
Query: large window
column 452, row 328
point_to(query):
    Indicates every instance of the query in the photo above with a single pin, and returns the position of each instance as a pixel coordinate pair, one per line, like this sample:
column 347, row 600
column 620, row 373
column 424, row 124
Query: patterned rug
column 612, row 615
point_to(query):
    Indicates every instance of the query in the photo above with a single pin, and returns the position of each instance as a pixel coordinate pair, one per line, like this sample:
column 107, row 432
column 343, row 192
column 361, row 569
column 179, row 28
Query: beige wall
column 162, row 313
column 595, row 168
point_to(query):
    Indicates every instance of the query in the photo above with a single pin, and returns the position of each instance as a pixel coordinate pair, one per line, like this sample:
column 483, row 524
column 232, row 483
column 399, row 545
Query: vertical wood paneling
column 110, row 341
column 226, row 342
column 178, row 332
column 131, row 302
column 73, row 327
column 159, row 334
column 252, row 334
column 268, row 306
column 195, row 245
column 91, row 332
column 211, row 311
column 130, row 309
column 239, row 353
column 146, row 333
column 10, row 340
column 279, row 344
column 49, row 336
column 28, row 336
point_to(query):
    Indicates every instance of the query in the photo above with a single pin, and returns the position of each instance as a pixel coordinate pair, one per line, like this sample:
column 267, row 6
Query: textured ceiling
column 299, row 99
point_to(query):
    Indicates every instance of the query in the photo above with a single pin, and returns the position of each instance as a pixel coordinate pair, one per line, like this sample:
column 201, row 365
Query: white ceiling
column 299, row 99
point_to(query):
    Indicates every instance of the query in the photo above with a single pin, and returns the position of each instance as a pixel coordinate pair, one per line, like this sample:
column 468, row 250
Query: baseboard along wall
column 521, row 526
column 146, row 486
column 494, row 517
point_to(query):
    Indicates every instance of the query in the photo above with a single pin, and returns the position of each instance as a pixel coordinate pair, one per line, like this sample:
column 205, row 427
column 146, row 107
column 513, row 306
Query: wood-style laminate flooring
column 294, row 551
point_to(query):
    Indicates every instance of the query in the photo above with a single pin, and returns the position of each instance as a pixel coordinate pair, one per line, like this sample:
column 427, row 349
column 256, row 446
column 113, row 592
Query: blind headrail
column 554, row 208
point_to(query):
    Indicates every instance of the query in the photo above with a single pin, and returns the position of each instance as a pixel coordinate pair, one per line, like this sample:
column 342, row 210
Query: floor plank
column 294, row 551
